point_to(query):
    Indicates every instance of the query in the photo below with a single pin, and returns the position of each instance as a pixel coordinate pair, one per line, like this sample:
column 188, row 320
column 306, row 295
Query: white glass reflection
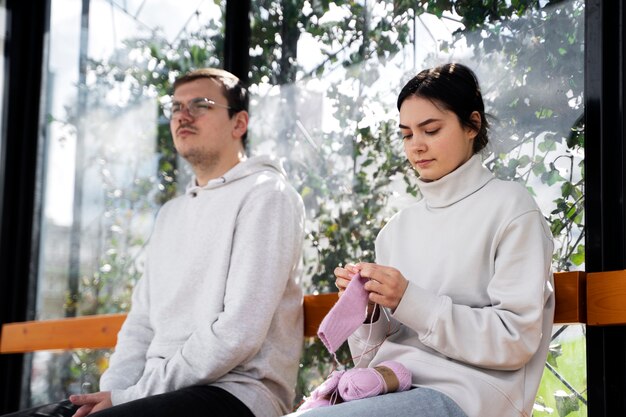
column 336, row 125
column 105, row 167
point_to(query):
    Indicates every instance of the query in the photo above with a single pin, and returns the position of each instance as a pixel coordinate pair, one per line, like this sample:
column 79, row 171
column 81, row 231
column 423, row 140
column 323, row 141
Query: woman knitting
column 463, row 277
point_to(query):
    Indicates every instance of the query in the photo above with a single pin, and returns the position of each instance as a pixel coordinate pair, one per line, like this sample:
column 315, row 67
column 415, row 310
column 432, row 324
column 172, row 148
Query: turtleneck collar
column 460, row 183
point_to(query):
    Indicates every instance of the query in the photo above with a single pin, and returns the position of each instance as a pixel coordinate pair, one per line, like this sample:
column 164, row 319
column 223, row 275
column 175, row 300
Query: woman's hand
column 386, row 285
column 343, row 277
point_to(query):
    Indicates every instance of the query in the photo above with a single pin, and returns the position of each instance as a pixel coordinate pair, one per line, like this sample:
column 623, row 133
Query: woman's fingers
column 343, row 275
column 386, row 284
column 341, row 284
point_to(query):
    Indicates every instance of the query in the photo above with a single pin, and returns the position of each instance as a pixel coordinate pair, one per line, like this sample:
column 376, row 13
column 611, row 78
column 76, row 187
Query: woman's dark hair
column 455, row 88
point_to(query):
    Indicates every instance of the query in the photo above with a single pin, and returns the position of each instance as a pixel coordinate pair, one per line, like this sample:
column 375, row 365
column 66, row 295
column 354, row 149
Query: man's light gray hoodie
column 218, row 303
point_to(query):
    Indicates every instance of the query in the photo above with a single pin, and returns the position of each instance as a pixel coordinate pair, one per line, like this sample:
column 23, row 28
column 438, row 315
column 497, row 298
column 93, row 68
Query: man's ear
column 476, row 121
column 240, row 125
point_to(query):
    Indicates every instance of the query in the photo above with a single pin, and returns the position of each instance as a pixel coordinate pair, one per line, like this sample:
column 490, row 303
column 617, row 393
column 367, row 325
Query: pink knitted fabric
column 346, row 315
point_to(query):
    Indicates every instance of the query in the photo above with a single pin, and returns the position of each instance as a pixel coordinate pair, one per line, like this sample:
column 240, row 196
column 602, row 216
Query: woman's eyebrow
column 424, row 123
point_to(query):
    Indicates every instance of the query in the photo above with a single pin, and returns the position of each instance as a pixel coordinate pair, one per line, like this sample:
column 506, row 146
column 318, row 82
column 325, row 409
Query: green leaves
column 544, row 113
column 551, row 177
column 566, row 403
column 578, row 257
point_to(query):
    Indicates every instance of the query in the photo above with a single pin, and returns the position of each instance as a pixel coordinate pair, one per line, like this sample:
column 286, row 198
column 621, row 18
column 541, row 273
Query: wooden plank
column 315, row 308
column 570, row 296
column 101, row 331
column 93, row 332
column 606, row 298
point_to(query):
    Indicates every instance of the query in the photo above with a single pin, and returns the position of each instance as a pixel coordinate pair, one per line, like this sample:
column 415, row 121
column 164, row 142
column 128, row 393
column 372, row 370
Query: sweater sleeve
column 505, row 334
column 127, row 362
column 266, row 251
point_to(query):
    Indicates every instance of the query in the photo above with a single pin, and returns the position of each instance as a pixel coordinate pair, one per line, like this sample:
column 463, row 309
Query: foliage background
column 337, row 131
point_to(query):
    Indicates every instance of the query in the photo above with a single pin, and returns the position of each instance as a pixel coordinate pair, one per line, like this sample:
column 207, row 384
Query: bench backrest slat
column 100, row 331
column 93, row 332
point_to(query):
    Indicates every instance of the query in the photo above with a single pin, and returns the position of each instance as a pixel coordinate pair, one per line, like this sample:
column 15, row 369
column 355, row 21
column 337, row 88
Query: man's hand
column 90, row 403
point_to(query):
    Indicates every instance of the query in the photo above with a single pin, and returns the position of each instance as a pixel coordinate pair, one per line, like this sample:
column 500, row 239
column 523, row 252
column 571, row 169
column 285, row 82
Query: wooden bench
column 595, row 299
column 100, row 331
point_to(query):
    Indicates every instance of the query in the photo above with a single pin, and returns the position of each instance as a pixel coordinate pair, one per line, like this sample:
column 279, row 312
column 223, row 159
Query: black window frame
column 26, row 28
column 605, row 192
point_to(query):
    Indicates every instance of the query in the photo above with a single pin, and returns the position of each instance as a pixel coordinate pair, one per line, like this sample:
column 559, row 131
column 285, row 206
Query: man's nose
column 185, row 114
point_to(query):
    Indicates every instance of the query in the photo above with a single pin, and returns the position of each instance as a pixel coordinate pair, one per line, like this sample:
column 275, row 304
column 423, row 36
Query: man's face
column 209, row 135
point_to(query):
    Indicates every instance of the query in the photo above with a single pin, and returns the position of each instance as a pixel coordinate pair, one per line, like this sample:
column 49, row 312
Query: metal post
column 27, row 26
column 605, row 184
column 237, row 38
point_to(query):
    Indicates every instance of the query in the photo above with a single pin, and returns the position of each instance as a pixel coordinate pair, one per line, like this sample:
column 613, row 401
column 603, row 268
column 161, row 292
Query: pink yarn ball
column 360, row 383
column 329, row 386
column 311, row 403
column 325, row 394
column 402, row 373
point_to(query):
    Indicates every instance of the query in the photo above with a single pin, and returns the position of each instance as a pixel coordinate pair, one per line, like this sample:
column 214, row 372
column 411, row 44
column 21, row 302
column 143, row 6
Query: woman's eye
column 432, row 132
column 407, row 136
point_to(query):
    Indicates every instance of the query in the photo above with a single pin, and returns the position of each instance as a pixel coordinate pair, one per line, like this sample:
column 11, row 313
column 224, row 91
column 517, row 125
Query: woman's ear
column 477, row 122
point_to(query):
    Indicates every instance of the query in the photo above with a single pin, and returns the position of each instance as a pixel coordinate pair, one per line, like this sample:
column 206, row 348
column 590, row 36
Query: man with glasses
column 215, row 327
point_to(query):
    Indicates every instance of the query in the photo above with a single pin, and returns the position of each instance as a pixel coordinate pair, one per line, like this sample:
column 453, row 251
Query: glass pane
column 563, row 389
column 109, row 163
column 325, row 79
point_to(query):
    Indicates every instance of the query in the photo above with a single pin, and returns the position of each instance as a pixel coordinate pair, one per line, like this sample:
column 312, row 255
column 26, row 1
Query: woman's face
column 435, row 142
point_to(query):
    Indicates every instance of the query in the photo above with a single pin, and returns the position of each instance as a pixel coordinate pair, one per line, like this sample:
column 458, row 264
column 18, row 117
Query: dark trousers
column 201, row 401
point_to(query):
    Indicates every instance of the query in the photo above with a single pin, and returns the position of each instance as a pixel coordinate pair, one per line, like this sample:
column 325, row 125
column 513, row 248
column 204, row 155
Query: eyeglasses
column 196, row 107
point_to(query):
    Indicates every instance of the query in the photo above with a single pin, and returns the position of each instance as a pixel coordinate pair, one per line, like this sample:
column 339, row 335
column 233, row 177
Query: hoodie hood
column 243, row 169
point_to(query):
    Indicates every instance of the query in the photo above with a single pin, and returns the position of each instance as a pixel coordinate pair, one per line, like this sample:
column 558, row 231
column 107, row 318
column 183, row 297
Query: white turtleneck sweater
column 476, row 318
column 218, row 303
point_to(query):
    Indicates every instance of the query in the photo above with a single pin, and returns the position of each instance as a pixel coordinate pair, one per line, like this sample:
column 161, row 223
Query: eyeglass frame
column 167, row 103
